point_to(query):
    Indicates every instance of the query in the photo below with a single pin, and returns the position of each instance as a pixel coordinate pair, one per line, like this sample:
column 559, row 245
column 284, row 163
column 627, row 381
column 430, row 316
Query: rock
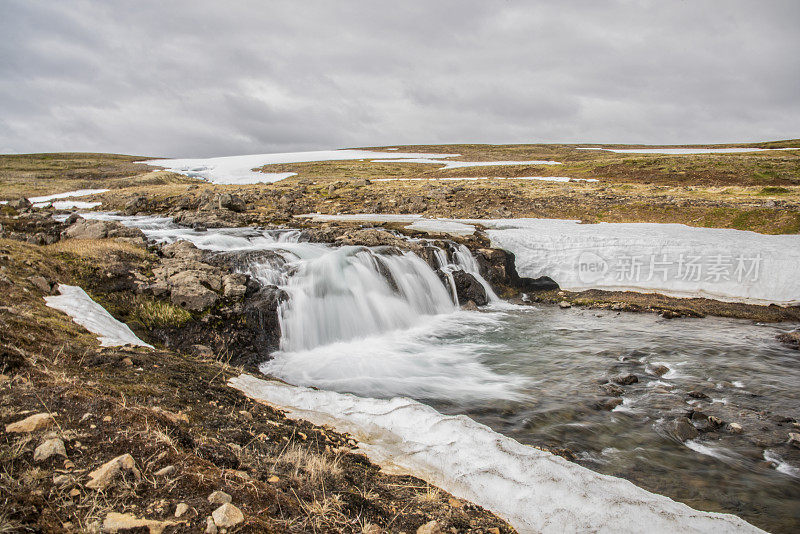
column 105, row 475
column 792, row 339
column 234, row 286
column 116, row 522
column 659, row 370
column 40, row 283
column 626, row 380
column 193, row 297
column 608, row 404
column 219, row 497
column 31, row 424
column 49, row 448
column 202, row 351
column 470, row 306
column 135, row 205
column 227, row 516
column 181, row 509
column 182, row 250
column 273, row 479
column 20, row 204
column 93, row 229
column 72, row 219
column 231, row 202
column 468, row 288
column 794, row 439
column 683, row 429
column 696, row 394
column 431, row 527
column 165, row 471
column 735, row 428
column 612, row 389
column 371, row 528
column 564, row 305
column 211, row 528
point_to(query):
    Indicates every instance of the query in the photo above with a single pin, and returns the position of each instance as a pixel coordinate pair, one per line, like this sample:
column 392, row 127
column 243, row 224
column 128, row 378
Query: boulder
column 93, row 229
column 234, row 285
column 231, row 202
column 106, row 474
column 49, row 448
column 40, row 283
column 794, row 439
column 469, row 289
column 193, row 296
column 33, row 423
column 626, row 380
column 227, row 516
column 683, row 429
column 608, row 404
column 20, row 204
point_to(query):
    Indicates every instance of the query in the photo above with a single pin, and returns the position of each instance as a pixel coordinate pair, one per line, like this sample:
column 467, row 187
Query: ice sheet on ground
column 462, row 164
column 683, row 150
column 239, row 169
column 672, row 259
column 533, row 490
column 86, row 312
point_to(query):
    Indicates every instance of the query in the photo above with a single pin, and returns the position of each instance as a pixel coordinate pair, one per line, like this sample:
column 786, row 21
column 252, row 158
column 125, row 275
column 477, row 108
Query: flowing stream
column 381, row 323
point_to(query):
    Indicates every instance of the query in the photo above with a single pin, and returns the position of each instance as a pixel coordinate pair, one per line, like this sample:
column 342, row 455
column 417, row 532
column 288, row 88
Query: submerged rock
column 684, row 429
column 469, row 289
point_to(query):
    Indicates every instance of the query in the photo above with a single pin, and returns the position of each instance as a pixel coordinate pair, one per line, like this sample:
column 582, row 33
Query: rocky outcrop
column 498, row 267
column 93, row 229
column 469, row 289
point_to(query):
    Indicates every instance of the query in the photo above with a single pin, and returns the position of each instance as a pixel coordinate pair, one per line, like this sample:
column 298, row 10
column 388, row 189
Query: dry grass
column 310, row 465
column 96, row 248
column 152, row 313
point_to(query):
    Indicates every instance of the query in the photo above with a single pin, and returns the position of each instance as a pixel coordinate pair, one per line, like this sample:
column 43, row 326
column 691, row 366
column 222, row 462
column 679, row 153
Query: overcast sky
column 207, row 78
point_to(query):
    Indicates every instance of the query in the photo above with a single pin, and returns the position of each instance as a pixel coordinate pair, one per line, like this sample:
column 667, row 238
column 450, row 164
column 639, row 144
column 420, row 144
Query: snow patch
column 68, row 204
column 532, row 489
column 683, row 150
column 86, row 312
column 462, row 164
column 68, row 194
column 239, row 169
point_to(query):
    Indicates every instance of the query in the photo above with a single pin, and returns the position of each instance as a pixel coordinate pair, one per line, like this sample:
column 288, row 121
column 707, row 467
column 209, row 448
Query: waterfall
column 353, row 292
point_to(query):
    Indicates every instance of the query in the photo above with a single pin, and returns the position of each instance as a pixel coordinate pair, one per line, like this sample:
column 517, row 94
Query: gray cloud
column 204, row 78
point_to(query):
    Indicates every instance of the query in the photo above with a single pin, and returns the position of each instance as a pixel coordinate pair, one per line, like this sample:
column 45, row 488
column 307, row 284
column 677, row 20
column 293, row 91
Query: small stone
column 127, row 361
column 371, row 528
column 49, row 448
column 165, row 471
column 202, row 351
column 273, row 479
column 794, row 439
column 31, row 424
column 564, row 305
column 612, row 389
column 108, row 472
column 107, row 419
column 219, row 497
column 696, row 394
column 62, row 480
column 211, row 528
column 626, row 380
column 181, row 509
column 116, row 522
column 227, row 516
column 431, row 527
column 608, row 404
column 74, row 492
column 735, row 428
column 494, row 530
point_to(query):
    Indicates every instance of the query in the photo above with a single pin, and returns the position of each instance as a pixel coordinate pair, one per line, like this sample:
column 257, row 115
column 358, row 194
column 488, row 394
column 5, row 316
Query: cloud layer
column 208, row 78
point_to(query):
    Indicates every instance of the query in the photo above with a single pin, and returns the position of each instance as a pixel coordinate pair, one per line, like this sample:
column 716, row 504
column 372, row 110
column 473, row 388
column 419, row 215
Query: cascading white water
column 353, row 292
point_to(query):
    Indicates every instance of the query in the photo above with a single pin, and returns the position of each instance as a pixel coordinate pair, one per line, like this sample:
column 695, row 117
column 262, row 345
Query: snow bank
column 239, row 169
column 68, row 194
column 672, row 259
column 533, row 490
column 461, row 164
column 68, row 204
column 77, row 304
column 683, row 150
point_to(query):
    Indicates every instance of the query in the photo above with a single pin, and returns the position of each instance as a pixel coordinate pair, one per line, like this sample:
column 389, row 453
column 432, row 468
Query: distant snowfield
column 462, row 164
column 533, row 490
column 239, row 169
column 93, row 317
column 671, row 259
column 47, row 200
column 684, row 150
column 474, row 178
column 69, row 194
